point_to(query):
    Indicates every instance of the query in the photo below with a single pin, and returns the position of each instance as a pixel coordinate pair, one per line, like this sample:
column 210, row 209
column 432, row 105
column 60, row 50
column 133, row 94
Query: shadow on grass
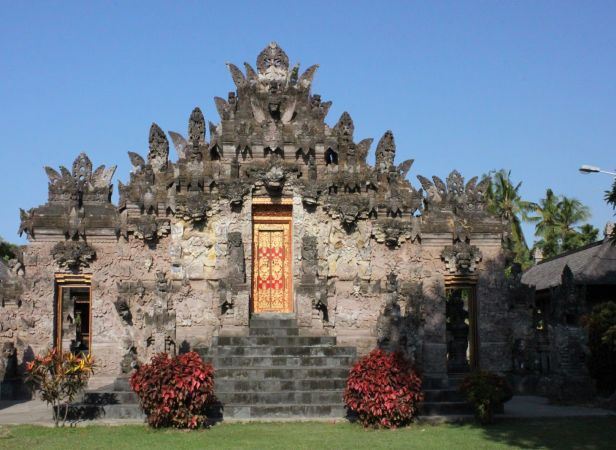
column 586, row 433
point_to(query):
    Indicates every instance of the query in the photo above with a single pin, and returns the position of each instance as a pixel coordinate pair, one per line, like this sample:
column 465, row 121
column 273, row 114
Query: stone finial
column 82, row 168
column 272, row 59
column 159, row 148
column 538, row 255
column 345, row 127
column 385, row 153
column 196, row 126
column 609, row 229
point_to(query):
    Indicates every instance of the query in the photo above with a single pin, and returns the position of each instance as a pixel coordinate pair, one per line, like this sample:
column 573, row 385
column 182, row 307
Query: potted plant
column 486, row 391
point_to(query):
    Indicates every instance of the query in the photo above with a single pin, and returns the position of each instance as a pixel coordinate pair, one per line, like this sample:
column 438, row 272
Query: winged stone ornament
column 179, row 143
column 441, row 187
column 137, row 161
column 432, row 192
column 52, row 174
column 305, row 81
column 362, row 149
column 251, row 75
column 404, row 167
column 237, row 75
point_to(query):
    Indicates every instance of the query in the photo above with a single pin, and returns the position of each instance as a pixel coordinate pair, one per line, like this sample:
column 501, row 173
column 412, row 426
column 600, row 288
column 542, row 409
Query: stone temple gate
column 269, row 211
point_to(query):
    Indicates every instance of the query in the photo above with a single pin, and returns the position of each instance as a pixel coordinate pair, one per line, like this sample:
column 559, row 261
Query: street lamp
column 586, row 169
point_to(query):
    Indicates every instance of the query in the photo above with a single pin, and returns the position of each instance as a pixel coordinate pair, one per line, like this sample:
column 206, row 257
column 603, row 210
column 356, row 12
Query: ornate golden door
column 272, row 278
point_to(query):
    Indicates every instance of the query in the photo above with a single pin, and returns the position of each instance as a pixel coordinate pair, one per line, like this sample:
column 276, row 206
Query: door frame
column 278, row 213
column 470, row 283
column 64, row 281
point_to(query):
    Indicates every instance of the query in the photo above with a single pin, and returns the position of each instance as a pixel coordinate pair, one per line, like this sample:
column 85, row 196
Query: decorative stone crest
column 196, row 126
column 159, row 149
column 73, row 254
column 454, row 196
column 393, row 232
column 349, row 208
column 461, row 258
column 148, row 228
column 385, row 153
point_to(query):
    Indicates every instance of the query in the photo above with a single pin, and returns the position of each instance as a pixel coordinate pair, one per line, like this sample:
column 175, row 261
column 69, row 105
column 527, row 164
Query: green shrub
column 602, row 342
column 59, row 377
column 485, row 390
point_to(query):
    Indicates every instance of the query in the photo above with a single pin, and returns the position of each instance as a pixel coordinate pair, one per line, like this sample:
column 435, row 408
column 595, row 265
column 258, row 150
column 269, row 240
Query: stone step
column 455, row 380
column 277, row 385
column 110, row 398
column 434, row 383
column 444, row 408
column 221, row 362
column 258, row 322
column 278, row 350
column 284, row 411
column 83, row 411
column 443, row 395
column 121, row 384
column 286, row 373
column 281, row 397
column 275, row 341
column 273, row 331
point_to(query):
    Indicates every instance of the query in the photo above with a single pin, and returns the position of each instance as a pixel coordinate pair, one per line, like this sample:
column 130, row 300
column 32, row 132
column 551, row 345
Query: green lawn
column 592, row 434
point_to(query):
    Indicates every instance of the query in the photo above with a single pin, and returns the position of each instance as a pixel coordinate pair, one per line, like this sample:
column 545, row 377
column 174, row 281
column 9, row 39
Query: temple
column 269, row 220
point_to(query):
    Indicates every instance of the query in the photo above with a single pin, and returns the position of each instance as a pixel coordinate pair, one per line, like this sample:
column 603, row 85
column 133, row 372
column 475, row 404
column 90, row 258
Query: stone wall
column 171, row 264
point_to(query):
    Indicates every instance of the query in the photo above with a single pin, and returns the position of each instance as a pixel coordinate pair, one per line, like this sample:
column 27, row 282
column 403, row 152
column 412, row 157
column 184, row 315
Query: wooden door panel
column 272, row 268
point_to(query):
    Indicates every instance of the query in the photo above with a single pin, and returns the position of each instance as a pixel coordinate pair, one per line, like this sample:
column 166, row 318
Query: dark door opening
column 461, row 329
column 73, row 324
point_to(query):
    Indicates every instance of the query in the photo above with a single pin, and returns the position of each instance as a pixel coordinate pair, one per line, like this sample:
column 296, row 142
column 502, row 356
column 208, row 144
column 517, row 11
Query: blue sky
column 525, row 85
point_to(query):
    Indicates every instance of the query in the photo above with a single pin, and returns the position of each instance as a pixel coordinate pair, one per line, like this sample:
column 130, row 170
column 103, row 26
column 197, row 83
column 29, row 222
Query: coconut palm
column 556, row 221
column 547, row 224
column 610, row 198
column 504, row 199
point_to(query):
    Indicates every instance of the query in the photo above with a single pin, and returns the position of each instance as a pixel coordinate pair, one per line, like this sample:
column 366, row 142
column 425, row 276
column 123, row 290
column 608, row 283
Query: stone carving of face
column 349, row 213
column 274, row 178
column 273, row 63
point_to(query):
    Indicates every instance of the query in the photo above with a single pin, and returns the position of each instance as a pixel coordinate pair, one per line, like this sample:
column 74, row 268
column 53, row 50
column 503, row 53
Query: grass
column 589, row 434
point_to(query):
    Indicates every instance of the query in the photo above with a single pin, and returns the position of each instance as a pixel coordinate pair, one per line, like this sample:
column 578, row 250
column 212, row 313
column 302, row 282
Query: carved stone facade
column 171, row 265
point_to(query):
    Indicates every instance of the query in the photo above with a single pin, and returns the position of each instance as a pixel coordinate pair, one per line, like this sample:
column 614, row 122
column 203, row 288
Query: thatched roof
column 592, row 264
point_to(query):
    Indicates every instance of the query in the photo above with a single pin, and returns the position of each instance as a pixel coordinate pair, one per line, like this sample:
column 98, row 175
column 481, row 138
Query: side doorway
column 73, row 313
column 461, row 329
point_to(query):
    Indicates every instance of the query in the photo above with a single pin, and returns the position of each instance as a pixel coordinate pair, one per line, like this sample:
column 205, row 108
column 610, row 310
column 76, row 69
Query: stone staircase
column 276, row 373
column 442, row 397
column 273, row 373
column 110, row 402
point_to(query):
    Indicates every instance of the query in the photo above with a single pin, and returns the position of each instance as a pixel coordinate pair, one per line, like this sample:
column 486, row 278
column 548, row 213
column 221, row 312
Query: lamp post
column 586, row 169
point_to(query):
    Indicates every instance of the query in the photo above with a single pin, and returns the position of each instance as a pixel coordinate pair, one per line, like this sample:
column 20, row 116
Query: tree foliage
column 504, row 200
column 557, row 220
column 602, row 342
column 610, row 198
column 8, row 250
column 59, row 377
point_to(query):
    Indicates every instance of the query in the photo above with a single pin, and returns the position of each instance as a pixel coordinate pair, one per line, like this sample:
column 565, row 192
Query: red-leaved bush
column 383, row 390
column 174, row 391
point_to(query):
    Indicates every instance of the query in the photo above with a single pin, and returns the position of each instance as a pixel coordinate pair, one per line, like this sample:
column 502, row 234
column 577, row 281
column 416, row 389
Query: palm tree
column 556, row 220
column 547, row 224
column 610, row 198
column 572, row 211
column 504, row 200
